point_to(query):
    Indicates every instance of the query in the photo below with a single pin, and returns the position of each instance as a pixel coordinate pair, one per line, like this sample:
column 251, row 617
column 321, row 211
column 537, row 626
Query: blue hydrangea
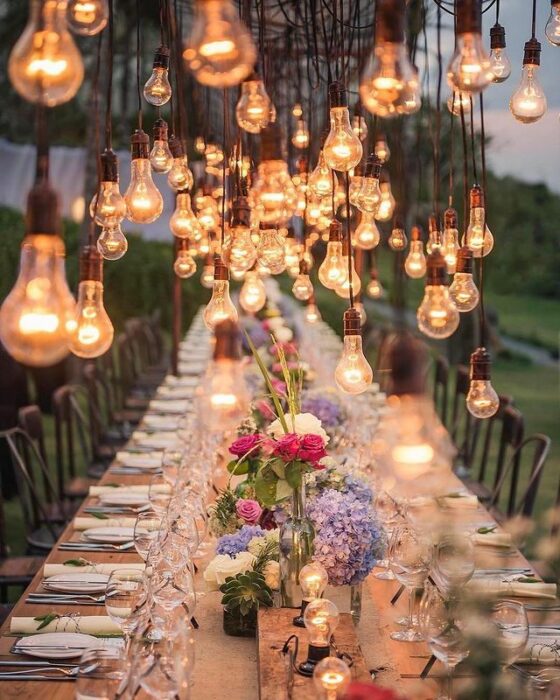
column 238, row 542
column 358, row 488
column 327, row 411
column 348, row 540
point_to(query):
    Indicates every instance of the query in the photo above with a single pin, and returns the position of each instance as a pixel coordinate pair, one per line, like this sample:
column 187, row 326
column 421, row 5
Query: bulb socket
column 384, row 178
column 241, row 212
column 480, row 365
column 408, row 365
column 140, row 144
column 432, row 223
column 335, row 232
column 43, row 210
column 469, row 16
column 497, row 37
column 373, row 167
column 359, row 169
column 302, row 164
column 532, row 53
column 160, row 130
column 337, row 95
column 228, row 342
column 271, row 143
column 314, row 655
column 254, row 77
column 345, row 246
column 161, row 57
column 436, row 270
column 221, row 272
column 109, row 166
column 465, row 260
column 176, row 147
column 352, row 323
column 390, row 21
column 91, row 264
column 450, row 218
column 477, row 197
column 183, row 245
column 416, row 233
column 303, row 267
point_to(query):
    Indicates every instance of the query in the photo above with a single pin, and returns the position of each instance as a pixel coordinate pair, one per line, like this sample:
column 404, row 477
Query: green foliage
column 246, row 593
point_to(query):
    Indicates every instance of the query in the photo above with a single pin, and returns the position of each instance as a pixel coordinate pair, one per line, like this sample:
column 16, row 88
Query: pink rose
column 265, row 409
column 248, row 510
column 369, row 691
column 287, row 447
column 245, row 444
column 312, row 448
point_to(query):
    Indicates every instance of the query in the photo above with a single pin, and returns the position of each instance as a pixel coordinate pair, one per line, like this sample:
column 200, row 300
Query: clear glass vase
column 296, row 549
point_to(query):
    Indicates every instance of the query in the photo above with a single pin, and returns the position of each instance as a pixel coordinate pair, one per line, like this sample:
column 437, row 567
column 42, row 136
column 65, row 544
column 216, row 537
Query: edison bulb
column 223, row 397
column 552, row 29
column 382, row 150
column 220, row 51
column 320, row 181
column 93, row 332
column 297, row 110
column 108, row 206
column 242, row 252
column 45, row 65
column 415, row 263
column 397, row 238
column 437, row 314
column 387, row 203
column 302, row 288
column 312, row 314
column 450, row 245
column 368, row 198
column 270, row 251
column 479, row 237
column 359, row 127
column 274, row 193
column 331, row 677
column 482, row 399
column 313, row 579
column 342, row 149
column 157, row 90
column 321, row 619
column 183, row 222
column 300, row 138
column 332, row 270
column 112, row 243
column 464, row 292
column 500, row 65
column 342, row 288
column 252, row 296
column 375, row 290
column 253, row 108
column 220, row 307
column 354, row 189
column 184, row 265
column 180, row 176
column 144, row 202
column 207, row 276
column 367, row 234
column 160, row 156
column 469, row 68
column 457, row 100
column 353, row 373
column 87, row 17
column 528, row 103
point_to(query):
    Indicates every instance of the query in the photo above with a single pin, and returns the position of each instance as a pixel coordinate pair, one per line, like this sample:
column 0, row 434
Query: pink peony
column 245, row 444
column 248, row 510
column 287, row 447
column 312, row 448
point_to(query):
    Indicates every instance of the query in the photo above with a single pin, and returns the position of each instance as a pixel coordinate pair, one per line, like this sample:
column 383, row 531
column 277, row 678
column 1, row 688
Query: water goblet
column 171, row 465
column 145, row 532
column 101, row 674
column 125, row 600
column 159, row 494
column 510, row 619
column 453, row 561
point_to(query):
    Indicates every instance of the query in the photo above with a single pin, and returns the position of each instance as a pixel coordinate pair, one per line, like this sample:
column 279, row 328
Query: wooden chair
column 461, row 421
column 105, row 429
column 441, row 380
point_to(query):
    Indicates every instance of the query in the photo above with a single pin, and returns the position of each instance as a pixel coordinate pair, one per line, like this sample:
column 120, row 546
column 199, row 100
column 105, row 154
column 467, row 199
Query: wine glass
column 409, row 558
column 101, row 673
column 159, row 494
column 387, row 511
column 145, row 532
column 125, row 600
column 453, row 561
column 173, row 587
column 510, row 619
column 171, row 465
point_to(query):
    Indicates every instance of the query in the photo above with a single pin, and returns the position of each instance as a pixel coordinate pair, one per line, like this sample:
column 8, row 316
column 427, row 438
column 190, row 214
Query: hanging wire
column 473, row 142
column 109, row 105
column 483, row 322
column 437, row 160
column 138, row 65
column 451, row 150
column 96, row 129
column 497, row 11
column 534, row 20
column 465, row 169
column 224, row 163
column 349, row 236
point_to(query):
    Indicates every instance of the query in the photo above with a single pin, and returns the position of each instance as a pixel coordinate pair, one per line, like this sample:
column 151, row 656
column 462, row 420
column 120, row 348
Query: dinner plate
column 113, row 535
column 56, row 645
column 123, row 497
column 77, row 582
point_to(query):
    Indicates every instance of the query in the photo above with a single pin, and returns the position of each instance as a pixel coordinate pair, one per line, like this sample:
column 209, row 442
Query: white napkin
column 175, row 392
column 184, row 382
column 92, row 568
column 156, row 440
column 542, row 647
column 88, row 523
column 137, row 488
column 170, row 406
column 493, row 539
column 88, row 624
column 151, row 460
column 458, row 500
column 155, row 422
column 511, row 586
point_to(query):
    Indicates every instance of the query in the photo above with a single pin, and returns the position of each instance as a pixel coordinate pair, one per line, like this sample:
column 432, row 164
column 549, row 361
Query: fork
column 65, row 671
column 94, row 547
column 86, row 596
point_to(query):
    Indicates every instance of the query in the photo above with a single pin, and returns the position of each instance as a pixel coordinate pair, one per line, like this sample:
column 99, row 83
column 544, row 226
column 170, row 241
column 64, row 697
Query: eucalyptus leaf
column 77, row 562
column 99, row 516
column 45, row 620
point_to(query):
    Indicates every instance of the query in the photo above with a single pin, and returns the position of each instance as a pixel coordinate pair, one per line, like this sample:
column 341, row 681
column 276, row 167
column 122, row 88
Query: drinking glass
column 453, row 561
column 101, row 674
column 388, row 512
column 510, row 619
column 171, row 465
column 173, row 587
column 125, row 600
column 145, row 532
column 409, row 559
column 159, row 494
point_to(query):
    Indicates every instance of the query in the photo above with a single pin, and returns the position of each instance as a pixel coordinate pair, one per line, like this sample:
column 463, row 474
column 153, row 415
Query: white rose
column 272, row 575
column 275, row 322
column 283, row 334
column 223, row 566
column 303, row 424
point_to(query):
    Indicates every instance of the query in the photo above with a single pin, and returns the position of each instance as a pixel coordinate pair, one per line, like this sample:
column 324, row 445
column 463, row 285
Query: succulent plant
column 245, row 592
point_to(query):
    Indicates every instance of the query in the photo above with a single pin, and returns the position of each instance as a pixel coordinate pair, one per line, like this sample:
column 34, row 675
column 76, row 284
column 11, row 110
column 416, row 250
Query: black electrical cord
column 349, row 237
column 108, row 106
column 483, row 321
column 465, row 169
column 473, row 142
column 138, row 65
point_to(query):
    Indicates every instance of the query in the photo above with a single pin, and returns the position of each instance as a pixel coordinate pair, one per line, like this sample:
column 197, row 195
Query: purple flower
column 326, row 410
column 233, row 544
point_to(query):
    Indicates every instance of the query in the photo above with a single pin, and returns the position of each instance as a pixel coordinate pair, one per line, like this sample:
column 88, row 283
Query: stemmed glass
column 453, row 561
column 101, row 673
column 125, row 600
column 171, row 465
column 410, row 560
column 145, row 532
column 510, row 619
column 159, row 494
column 387, row 510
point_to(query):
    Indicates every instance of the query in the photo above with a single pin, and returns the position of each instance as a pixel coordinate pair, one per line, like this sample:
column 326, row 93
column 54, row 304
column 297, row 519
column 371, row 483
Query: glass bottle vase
column 296, row 549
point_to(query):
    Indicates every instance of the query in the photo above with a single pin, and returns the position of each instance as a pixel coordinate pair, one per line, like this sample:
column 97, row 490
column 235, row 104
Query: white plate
column 56, row 645
column 124, row 498
column 77, row 582
column 113, row 535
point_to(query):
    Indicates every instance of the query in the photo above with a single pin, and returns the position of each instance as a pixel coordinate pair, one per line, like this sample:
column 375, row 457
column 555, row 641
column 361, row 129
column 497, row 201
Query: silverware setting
column 35, row 664
column 117, row 509
column 95, row 547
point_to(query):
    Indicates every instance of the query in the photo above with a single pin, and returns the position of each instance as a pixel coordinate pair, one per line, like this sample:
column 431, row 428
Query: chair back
column 441, row 380
column 461, row 420
column 30, row 419
column 487, row 441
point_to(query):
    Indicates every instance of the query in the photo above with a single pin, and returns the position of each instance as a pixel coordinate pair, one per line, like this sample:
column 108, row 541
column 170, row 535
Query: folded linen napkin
column 91, row 568
column 81, row 524
column 145, row 460
column 156, row 441
column 176, row 392
column 543, row 647
column 516, row 586
column 458, row 500
column 155, row 422
column 101, row 625
column 183, row 382
column 175, row 406
column 492, row 539
column 136, row 488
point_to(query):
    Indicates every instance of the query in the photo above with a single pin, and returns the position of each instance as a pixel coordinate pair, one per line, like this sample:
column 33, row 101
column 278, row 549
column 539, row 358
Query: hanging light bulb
column 108, row 207
column 457, row 100
column 252, row 296
column 241, row 253
column 500, row 64
column 220, row 51
column 292, row 250
column 367, row 234
column 160, row 156
column 207, row 215
column 381, row 149
column 389, row 83
column 320, row 181
column 374, row 290
column 450, row 239
column 463, row 290
column 157, row 90
column 199, row 144
column 342, row 149
column 528, row 102
column 332, row 270
column 387, row 204
column 360, row 308
column 482, row 399
column 552, row 29
column 207, row 276
column 144, row 202
column 45, row 65
column 437, row 314
column 33, row 315
column 184, row 265
column 253, row 108
column 223, row 397
column 415, row 263
column 359, row 124
column 297, row 110
column 342, row 288
column 112, row 243
column 87, row 17
column 302, row 288
column 92, row 333
column 180, row 176
column 220, row 307
column 183, row 222
column 312, row 314
column 469, row 68
column 274, row 193
column 270, row 250
column 479, row 238
column 353, row 374
column 356, row 180
column 397, row 238
column 434, row 235
column 300, row 139
column 368, row 198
